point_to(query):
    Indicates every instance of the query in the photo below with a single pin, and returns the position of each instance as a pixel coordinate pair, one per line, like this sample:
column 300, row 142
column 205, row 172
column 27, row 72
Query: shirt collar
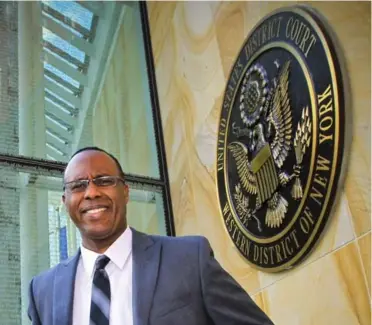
column 118, row 252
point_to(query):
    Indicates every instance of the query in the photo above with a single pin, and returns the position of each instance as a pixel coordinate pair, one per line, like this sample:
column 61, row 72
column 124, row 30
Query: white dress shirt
column 119, row 270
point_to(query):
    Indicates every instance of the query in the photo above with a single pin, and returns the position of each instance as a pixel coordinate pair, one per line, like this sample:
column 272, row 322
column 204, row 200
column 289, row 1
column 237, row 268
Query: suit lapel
column 63, row 291
column 146, row 255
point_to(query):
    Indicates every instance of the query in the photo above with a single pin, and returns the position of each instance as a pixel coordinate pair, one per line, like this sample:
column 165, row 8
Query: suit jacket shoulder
column 51, row 289
column 182, row 242
column 190, row 261
column 43, row 281
column 190, row 249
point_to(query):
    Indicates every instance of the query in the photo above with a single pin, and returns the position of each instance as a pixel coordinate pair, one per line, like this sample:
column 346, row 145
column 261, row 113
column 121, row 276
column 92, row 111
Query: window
column 72, row 74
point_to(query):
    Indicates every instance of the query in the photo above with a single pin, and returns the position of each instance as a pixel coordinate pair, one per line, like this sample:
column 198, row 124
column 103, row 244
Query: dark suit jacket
column 176, row 281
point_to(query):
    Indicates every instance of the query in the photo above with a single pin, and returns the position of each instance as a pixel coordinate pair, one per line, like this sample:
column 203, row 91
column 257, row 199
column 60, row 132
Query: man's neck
column 100, row 246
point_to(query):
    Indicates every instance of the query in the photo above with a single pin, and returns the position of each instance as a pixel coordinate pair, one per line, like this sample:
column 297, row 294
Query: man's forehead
column 90, row 162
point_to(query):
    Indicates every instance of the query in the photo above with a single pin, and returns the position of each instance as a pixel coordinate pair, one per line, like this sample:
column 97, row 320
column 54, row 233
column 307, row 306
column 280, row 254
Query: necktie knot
column 101, row 262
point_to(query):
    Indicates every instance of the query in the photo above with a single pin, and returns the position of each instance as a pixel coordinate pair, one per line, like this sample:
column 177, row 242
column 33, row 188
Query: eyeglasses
column 82, row 184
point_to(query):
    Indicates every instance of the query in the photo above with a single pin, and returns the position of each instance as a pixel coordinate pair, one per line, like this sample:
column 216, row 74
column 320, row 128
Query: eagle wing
column 280, row 116
column 246, row 176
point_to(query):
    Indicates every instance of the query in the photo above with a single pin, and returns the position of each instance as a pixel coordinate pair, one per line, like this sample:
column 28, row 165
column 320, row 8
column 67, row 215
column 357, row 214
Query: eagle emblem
column 280, row 139
column 263, row 143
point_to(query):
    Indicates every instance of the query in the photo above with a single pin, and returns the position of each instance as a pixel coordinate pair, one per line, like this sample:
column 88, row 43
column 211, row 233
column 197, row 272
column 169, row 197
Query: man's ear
column 126, row 193
column 63, row 198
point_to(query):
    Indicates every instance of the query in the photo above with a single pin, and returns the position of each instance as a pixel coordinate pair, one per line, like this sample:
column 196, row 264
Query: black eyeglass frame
column 86, row 182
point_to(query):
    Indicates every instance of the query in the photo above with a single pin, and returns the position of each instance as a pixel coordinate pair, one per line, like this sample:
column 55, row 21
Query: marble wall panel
column 364, row 243
column 329, row 291
column 194, row 45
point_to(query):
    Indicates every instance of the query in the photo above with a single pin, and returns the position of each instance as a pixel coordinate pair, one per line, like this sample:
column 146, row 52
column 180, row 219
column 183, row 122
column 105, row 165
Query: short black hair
column 101, row 150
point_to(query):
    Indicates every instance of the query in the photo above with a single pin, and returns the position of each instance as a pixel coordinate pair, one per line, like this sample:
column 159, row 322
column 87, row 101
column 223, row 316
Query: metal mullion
column 66, row 20
column 86, row 64
column 93, row 29
column 62, row 24
column 59, row 113
column 59, row 102
column 65, row 68
column 58, row 120
column 64, row 83
column 56, row 148
column 81, row 88
column 96, row 8
column 54, row 134
column 158, row 130
column 68, row 36
column 63, row 93
column 40, row 164
column 57, row 155
column 56, row 50
column 32, row 163
column 53, row 142
column 143, row 180
column 91, row 39
column 58, row 128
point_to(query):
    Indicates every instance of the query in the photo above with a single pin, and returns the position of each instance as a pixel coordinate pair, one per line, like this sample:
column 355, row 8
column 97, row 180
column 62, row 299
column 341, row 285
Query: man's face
column 98, row 212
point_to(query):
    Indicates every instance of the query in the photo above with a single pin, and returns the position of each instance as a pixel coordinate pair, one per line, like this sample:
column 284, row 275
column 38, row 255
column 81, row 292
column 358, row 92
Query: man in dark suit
column 122, row 276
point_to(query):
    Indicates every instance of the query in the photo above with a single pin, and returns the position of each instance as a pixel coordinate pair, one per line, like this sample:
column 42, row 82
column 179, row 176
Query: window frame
column 55, row 167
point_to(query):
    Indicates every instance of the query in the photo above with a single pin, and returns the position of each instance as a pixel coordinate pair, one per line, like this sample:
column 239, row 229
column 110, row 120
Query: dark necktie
column 101, row 294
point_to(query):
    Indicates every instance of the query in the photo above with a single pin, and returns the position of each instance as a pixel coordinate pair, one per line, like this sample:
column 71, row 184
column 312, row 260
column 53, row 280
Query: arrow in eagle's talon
column 259, row 226
column 258, row 221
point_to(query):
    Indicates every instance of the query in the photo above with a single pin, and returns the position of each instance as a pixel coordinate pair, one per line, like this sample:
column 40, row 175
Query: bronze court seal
column 280, row 139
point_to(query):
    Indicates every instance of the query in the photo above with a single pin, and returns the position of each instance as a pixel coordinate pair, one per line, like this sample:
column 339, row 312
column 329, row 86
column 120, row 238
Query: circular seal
column 280, row 139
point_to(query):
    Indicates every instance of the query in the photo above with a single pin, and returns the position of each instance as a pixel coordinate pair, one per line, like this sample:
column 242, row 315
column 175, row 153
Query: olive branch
column 242, row 208
column 242, row 203
column 301, row 143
